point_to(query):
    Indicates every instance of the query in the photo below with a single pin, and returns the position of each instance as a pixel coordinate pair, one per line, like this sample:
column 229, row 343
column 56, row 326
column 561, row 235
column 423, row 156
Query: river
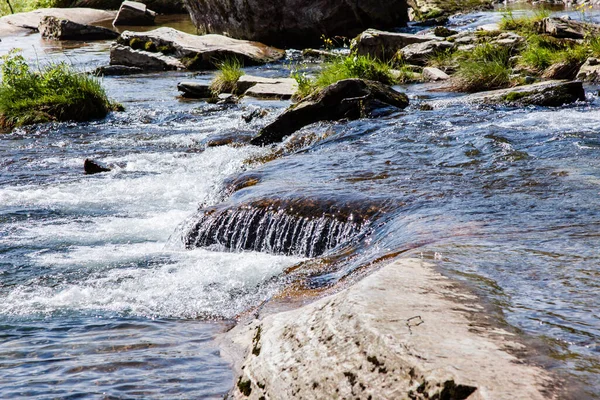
column 99, row 296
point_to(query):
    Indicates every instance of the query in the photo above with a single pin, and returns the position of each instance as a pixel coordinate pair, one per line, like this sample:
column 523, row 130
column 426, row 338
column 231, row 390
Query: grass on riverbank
column 52, row 93
column 230, row 71
column 486, row 67
column 525, row 24
column 542, row 52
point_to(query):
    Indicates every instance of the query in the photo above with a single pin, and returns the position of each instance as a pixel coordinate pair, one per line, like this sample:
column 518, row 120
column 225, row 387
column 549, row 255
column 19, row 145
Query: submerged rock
column 295, row 23
column 403, row 332
column 174, row 49
column 349, row 98
column 62, row 29
column 116, row 70
column 134, row 13
column 303, row 226
column 385, row 45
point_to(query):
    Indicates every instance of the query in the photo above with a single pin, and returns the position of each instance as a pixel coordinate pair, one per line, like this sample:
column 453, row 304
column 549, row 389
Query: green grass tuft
column 55, row 92
column 486, row 67
column 230, row 71
column 525, row 24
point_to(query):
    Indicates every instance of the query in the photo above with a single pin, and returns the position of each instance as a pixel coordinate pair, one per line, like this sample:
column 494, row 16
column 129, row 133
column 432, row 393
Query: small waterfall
column 301, row 228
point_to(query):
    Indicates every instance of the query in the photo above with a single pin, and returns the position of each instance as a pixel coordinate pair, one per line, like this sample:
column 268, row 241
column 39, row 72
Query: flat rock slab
column 196, row 52
column 134, row 13
column 403, row 332
column 267, row 88
column 384, row 45
column 62, row 29
column 545, row 94
column 346, row 99
column 22, row 23
column 117, row 70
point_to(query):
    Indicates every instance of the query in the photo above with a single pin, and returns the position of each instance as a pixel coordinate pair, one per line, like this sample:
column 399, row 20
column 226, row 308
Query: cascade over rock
column 294, row 23
column 303, row 227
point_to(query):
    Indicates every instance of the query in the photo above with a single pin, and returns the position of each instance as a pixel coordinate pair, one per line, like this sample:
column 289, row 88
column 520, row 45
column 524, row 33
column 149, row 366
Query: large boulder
column 134, row 13
column 384, row 45
column 62, row 29
column 348, row 98
column 295, row 23
column 179, row 50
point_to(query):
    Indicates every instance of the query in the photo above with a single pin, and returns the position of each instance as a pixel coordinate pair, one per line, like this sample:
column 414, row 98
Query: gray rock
column 193, row 51
column 590, row 71
column 420, row 53
column 346, row 99
column 563, row 28
column 195, row 90
column 431, row 74
column 278, row 87
column 134, row 13
column 385, row 45
column 149, row 61
column 62, row 29
column 295, row 23
column 405, row 331
column 562, row 70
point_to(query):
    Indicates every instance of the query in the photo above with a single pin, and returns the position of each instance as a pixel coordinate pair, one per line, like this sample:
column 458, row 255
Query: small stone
column 431, row 74
column 92, row 167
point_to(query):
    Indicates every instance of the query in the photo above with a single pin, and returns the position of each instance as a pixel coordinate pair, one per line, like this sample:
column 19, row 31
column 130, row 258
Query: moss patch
column 244, row 386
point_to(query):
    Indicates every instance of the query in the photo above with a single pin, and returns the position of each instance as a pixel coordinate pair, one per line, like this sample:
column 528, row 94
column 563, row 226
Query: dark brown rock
column 295, row 23
column 349, row 98
column 91, row 167
column 62, row 29
column 195, row 90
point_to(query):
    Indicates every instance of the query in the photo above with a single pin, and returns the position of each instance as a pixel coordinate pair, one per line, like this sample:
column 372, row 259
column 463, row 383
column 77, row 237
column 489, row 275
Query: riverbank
column 405, row 331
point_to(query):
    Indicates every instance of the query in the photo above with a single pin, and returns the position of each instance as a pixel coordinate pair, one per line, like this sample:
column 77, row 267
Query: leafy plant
column 55, row 92
column 230, row 71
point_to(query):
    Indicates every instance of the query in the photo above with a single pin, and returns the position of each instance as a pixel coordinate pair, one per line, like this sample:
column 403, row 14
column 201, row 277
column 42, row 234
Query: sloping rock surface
column 385, row 45
column 134, row 13
column 295, row 23
column 404, row 332
column 348, row 98
column 193, row 51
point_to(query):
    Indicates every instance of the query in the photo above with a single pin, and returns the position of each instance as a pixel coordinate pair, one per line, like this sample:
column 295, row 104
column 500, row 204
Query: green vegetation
column 55, row 92
column 485, row 67
column 352, row 66
column 525, row 24
column 543, row 51
column 230, row 71
column 29, row 5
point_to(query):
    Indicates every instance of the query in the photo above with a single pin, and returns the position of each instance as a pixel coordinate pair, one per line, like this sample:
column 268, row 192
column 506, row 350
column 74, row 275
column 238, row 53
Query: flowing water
column 114, row 285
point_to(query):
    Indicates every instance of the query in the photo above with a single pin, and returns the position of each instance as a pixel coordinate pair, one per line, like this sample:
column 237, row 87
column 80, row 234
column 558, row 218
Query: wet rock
column 145, row 60
column 188, row 51
column 301, row 226
column 545, row 94
column 267, row 88
column 563, row 28
column 318, row 53
column 403, row 332
column 62, row 29
column 24, row 23
column 442, row 31
column 349, row 98
column 431, row 74
column 257, row 113
column 92, row 167
column 420, row 53
column 134, row 13
column 385, row 45
column 590, row 71
column 195, row 90
column 116, row 70
column 295, row 23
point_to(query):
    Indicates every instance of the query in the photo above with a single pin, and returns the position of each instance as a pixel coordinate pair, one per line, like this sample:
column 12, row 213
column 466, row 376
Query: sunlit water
column 99, row 297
